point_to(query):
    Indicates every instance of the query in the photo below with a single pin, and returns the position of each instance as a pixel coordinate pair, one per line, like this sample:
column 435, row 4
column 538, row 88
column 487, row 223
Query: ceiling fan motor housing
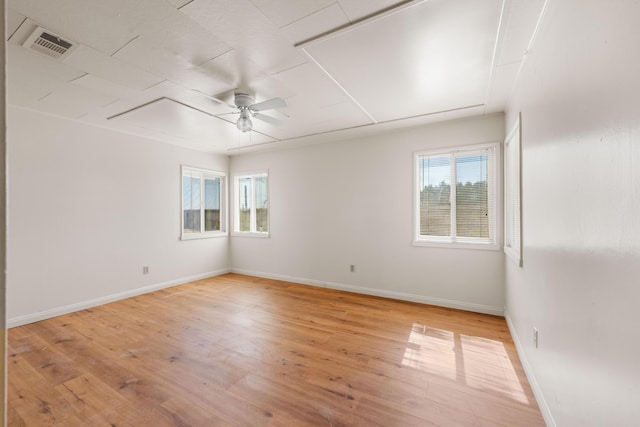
column 242, row 100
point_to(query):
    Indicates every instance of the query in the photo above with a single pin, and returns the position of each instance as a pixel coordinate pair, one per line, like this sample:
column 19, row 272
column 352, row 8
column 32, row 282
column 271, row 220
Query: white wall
column 350, row 202
column 87, row 209
column 3, row 223
column 579, row 95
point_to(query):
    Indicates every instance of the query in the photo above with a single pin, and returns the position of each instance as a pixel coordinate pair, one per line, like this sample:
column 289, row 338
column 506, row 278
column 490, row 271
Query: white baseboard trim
column 467, row 306
column 542, row 403
column 47, row 314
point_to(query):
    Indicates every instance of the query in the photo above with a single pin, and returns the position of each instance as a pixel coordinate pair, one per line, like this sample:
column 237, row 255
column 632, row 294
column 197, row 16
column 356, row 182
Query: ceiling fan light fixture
column 244, row 122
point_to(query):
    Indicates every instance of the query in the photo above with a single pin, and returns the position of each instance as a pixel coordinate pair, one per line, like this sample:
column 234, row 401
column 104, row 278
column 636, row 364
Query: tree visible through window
column 456, row 196
column 252, row 203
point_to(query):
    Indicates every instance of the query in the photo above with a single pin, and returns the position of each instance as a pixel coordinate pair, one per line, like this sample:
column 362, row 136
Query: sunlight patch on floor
column 431, row 350
column 487, row 366
column 477, row 362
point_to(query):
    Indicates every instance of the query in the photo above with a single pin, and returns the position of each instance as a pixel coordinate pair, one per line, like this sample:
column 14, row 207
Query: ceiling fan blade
column 267, row 119
column 269, row 104
column 213, row 98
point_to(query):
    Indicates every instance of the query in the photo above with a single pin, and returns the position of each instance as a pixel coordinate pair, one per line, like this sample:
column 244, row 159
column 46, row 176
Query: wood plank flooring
column 242, row 351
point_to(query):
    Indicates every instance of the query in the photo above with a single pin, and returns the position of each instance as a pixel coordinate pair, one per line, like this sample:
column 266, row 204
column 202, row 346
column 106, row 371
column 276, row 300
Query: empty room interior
column 321, row 212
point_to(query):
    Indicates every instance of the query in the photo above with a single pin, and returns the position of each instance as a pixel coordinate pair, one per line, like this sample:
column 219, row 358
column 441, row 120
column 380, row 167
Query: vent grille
column 50, row 44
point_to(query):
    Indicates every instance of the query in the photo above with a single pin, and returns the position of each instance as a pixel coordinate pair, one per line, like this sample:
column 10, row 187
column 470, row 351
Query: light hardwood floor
column 242, row 351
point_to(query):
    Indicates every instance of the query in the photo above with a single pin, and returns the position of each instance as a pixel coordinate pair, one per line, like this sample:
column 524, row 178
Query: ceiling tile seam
column 78, row 78
column 390, row 10
column 98, row 125
column 188, row 106
column 344, row 12
column 275, row 70
column 17, row 28
column 231, row 49
column 136, row 108
column 25, row 22
column 164, row 78
column 311, row 14
column 310, row 135
column 125, row 45
column 337, row 84
column 496, row 48
column 381, row 14
column 111, row 103
column 259, row 11
column 252, row 146
column 293, row 67
column 534, row 35
column 186, row 4
column 451, row 110
column 156, row 84
column 136, row 67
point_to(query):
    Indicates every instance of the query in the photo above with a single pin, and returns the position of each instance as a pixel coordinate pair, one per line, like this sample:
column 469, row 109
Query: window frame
column 252, row 216
column 513, row 194
column 204, row 174
column 453, row 242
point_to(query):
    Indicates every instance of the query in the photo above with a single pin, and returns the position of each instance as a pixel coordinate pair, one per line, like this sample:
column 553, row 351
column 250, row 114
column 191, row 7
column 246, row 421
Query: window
column 203, row 203
column 455, row 197
column 252, row 204
column 512, row 197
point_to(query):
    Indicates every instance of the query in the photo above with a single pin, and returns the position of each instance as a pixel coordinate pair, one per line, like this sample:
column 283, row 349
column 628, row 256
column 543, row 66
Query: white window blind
column 456, row 196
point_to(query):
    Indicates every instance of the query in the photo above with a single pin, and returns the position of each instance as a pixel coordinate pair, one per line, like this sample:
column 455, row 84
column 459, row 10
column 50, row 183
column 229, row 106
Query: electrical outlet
column 145, row 269
column 535, row 337
column 352, row 268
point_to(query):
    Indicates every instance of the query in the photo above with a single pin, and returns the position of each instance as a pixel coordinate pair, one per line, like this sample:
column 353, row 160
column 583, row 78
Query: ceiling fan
column 248, row 108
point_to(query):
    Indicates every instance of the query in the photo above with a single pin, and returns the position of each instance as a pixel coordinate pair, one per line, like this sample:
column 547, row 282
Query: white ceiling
column 345, row 68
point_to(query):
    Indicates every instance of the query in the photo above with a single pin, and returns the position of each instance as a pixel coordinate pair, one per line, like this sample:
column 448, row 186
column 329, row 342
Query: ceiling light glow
column 244, row 122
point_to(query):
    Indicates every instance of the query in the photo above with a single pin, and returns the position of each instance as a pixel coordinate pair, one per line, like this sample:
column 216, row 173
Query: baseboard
column 47, row 314
column 461, row 305
column 542, row 403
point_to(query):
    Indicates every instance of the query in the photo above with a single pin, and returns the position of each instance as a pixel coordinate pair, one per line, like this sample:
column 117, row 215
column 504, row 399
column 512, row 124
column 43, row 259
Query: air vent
column 44, row 41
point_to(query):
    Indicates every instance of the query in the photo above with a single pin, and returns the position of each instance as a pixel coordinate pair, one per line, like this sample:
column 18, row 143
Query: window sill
column 250, row 234
column 456, row 245
column 209, row 235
